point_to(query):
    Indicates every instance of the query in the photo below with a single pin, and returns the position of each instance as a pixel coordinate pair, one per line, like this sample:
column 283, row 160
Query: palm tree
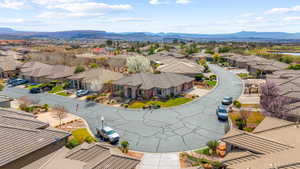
column 213, row 145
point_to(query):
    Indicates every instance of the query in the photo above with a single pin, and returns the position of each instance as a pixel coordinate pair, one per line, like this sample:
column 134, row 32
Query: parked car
column 17, row 82
column 108, row 134
column 81, row 93
column 10, row 81
column 35, row 90
column 227, row 100
column 222, row 112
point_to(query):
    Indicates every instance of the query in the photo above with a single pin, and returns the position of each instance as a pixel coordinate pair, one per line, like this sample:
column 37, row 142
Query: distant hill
column 8, row 33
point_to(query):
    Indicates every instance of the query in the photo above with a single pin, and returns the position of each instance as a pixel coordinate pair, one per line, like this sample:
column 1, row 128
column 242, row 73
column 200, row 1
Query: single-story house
column 5, row 101
column 273, row 144
column 181, row 66
column 255, row 64
column 40, row 72
column 24, row 139
column 9, row 67
column 86, row 156
column 94, row 79
column 148, row 85
column 288, row 83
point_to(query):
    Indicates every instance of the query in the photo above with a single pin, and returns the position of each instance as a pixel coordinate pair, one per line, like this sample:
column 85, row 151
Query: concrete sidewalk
column 160, row 161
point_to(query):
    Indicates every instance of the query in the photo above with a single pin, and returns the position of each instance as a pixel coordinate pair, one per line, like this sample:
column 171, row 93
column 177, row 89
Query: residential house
column 149, row 85
column 5, row 101
column 9, row 67
column 256, row 65
column 86, row 156
column 275, row 143
column 24, row 139
column 94, row 79
column 288, row 84
column 40, row 72
column 181, row 66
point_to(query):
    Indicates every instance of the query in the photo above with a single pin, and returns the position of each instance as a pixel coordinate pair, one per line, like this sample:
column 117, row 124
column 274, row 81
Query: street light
column 102, row 121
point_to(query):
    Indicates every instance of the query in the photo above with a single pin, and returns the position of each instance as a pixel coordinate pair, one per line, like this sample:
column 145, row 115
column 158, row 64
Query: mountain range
column 8, row 33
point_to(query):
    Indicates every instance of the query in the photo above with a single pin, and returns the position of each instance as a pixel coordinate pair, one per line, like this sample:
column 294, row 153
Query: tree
column 137, row 64
column 60, row 112
column 216, row 58
column 79, row 69
column 272, row 102
column 109, row 42
column 213, row 145
column 1, row 86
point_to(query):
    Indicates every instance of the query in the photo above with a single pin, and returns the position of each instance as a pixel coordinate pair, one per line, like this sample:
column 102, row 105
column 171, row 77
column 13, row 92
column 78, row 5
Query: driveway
column 181, row 128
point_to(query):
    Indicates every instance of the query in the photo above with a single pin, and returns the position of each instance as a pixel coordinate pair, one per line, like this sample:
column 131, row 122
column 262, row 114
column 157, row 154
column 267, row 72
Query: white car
column 108, row 134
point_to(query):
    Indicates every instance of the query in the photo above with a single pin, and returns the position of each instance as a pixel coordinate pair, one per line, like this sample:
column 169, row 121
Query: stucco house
column 39, row 72
column 256, row 64
column 94, row 80
column 147, row 85
column 9, row 67
column 273, row 144
column 180, row 66
column 24, row 139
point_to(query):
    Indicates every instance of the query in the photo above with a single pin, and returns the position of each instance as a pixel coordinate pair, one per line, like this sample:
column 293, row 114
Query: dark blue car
column 222, row 112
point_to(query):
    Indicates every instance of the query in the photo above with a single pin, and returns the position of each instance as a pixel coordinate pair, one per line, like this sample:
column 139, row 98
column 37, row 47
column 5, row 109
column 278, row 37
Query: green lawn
column 204, row 151
column 63, row 94
column 33, row 86
column 82, row 134
column 168, row 103
column 211, row 83
column 56, row 89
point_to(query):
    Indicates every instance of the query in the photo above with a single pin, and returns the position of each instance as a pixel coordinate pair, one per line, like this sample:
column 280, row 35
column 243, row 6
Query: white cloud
column 11, row 21
column 248, row 14
column 292, row 18
column 12, row 4
column 283, row 10
column 89, row 7
column 62, row 15
column 129, row 19
column 52, row 2
column 183, row 1
column 158, row 2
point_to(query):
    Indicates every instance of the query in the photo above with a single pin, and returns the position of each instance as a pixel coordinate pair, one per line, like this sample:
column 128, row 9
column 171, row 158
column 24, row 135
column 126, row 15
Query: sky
column 182, row 16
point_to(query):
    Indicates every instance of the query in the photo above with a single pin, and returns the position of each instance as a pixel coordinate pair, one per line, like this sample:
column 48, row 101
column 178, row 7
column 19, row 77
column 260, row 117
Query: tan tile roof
column 256, row 143
column 277, row 140
column 87, row 156
column 270, row 123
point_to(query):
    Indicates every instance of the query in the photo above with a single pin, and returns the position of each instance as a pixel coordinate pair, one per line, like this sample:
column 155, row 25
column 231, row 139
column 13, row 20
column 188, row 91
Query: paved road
column 185, row 127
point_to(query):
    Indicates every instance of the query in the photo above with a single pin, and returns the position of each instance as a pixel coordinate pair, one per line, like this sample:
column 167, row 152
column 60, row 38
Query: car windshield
column 222, row 111
column 110, row 132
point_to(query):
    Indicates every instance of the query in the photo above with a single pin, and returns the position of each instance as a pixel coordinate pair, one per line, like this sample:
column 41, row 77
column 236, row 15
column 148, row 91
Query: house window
column 159, row 92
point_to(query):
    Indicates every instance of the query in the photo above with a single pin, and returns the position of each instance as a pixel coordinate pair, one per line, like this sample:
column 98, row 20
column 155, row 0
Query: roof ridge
column 24, row 119
column 19, row 128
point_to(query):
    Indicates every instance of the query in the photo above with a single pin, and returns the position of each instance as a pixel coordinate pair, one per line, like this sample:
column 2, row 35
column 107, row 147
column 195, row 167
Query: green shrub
column 237, row 104
column 294, row 67
column 79, row 69
column 94, row 65
column 199, row 77
column 213, row 77
column 46, row 107
column 240, row 123
column 124, row 146
column 1, row 86
column 91, row 97
column 72, row 143
column 89, row 139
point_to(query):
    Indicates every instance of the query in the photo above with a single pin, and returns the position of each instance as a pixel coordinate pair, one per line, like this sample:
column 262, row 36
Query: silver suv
column 108, row 134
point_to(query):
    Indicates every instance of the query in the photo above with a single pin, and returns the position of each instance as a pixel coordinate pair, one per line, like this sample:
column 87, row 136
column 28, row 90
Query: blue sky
column 186, row 16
